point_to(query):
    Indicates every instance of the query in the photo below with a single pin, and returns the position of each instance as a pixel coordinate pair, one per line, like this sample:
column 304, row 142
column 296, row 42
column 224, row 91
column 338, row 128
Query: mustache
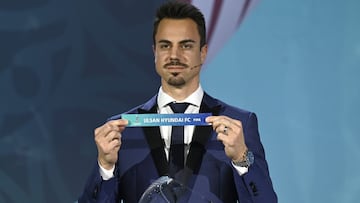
column 176, row 63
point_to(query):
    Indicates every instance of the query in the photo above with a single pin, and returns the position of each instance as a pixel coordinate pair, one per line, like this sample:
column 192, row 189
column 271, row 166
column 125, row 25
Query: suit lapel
column 201, row 136
column 154, row 140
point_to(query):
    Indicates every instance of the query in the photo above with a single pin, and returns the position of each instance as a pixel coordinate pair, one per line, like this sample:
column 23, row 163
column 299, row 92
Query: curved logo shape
column 223, row 18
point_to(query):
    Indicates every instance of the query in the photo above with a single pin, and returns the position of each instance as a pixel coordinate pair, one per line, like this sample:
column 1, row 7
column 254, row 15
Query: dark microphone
column 197, row 66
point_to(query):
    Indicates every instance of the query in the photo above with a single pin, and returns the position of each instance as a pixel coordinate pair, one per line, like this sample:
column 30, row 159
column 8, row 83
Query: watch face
column 248, row 160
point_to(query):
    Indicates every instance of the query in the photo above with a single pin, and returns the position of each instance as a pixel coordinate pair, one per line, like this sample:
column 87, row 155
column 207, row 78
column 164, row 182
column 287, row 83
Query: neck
column 179, row 93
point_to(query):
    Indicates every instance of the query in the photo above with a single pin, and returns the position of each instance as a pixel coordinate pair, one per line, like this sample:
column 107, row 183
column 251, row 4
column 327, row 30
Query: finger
column 222, row 137
column 216, row 120
column 105, row 129
column 110, row 142
column 113, row 125
column 211, row 119
column 226, row 129
column 103, row 140
column 111, row 148
column 222, row 129
column 236, row 127
column 119, row 123
column 233, row 124
column 223, row 133
column 228, row 141
column 113, row 135
column 115, row 143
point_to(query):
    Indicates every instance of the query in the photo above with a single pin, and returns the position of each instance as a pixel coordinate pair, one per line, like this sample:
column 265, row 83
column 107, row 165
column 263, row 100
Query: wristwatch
column 247, row 161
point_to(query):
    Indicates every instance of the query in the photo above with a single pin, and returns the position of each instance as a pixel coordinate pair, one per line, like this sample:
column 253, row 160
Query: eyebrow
column 187, row 41
column 181, row 42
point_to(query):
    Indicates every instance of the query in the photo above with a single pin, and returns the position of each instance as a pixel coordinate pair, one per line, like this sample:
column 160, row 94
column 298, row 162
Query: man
column 222, row 162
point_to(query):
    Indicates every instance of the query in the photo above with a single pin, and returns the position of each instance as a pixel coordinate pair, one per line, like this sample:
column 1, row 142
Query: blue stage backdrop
column 66, row 66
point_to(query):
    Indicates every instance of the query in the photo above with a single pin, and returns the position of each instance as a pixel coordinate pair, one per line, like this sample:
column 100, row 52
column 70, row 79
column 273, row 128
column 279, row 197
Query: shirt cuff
column 106, row 174
column 241, row 170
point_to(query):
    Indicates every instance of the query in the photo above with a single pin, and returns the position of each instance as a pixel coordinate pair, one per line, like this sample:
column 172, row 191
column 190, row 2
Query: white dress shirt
column 163, row 101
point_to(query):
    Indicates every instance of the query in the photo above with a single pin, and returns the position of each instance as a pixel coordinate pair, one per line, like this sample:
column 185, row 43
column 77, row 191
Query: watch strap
column 248, row 159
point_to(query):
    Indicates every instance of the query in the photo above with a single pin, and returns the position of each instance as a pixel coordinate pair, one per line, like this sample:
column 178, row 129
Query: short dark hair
column 181, row 10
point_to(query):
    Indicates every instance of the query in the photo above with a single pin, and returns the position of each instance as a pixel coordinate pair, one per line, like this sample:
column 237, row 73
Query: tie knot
column 178, row 107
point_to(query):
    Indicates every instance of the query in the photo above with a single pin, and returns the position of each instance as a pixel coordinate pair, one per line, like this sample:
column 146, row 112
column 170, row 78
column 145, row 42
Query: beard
column 176, row 81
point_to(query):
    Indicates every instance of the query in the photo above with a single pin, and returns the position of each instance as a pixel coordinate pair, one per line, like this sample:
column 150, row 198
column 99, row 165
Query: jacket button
column 253, row 188
column 95, row 192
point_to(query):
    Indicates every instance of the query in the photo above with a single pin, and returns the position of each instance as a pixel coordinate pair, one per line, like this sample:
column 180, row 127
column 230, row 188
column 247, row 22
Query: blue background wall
column 297, row 65
column 65, row 66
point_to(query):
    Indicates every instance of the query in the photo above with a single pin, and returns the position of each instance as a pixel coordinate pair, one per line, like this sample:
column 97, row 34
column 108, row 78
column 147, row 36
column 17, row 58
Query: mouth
column 175, row 70
column 176, row 66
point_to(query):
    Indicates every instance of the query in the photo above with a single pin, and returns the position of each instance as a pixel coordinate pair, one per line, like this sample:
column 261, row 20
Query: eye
column 164, row 46
column 187, row 46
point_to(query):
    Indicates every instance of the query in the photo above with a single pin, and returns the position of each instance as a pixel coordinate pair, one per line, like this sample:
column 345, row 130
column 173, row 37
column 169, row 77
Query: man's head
column 180, row 10
column 179, row 45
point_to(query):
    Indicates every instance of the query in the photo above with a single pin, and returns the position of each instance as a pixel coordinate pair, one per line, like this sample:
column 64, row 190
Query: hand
column 230, row 133
column 108, row 142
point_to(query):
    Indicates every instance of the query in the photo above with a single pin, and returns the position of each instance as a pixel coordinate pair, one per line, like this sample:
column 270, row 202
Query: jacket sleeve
column 98, row 190
column 255, row 186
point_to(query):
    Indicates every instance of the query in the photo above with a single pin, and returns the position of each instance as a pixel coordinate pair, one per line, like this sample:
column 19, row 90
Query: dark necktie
column 176, row 153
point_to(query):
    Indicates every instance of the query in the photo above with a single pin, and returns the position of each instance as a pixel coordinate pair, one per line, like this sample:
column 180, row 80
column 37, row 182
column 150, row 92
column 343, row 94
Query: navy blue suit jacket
column 208, row 172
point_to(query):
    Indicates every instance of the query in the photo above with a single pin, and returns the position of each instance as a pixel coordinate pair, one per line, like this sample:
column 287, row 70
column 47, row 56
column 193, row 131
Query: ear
column 203, row 53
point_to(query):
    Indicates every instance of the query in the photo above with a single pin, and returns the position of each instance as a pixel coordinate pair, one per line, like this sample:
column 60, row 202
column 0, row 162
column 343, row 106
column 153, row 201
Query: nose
column 175, row 52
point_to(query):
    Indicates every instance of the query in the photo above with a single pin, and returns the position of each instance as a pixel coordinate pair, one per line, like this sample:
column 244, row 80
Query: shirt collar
column 194, row 99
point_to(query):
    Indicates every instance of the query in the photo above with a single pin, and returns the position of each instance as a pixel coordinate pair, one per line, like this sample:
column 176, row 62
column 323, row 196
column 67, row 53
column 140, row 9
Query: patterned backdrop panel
column 65, row 66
